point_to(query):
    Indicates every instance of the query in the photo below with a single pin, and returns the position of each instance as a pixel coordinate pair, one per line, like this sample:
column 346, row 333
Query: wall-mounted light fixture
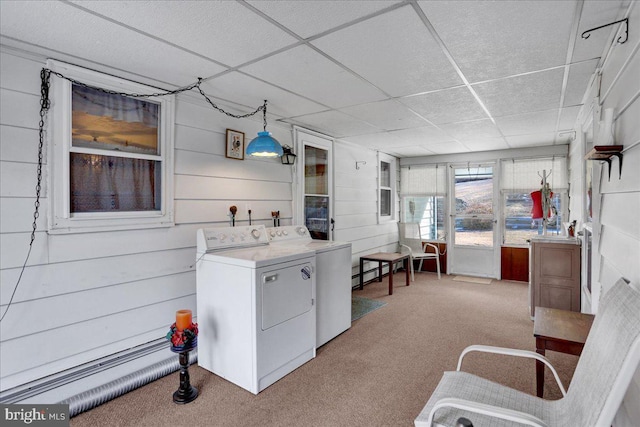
column 288, row 158
column 264, row 145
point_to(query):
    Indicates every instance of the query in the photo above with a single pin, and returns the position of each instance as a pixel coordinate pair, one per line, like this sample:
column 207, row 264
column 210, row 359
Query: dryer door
column 286, row 293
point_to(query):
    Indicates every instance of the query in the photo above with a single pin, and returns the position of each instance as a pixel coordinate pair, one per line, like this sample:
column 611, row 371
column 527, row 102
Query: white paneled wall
column 617, row 203
column 88, row 295
column 356, row 205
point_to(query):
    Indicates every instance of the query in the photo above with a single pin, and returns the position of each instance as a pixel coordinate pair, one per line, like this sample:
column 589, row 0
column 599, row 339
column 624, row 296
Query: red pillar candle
column 183, row 319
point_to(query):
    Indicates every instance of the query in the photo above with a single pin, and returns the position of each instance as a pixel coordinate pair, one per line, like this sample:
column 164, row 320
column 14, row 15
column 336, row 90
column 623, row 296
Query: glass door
column 317, row 184
column 473, row 221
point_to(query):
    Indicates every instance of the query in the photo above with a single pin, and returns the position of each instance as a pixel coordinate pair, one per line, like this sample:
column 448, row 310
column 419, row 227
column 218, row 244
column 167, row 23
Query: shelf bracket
column 586, row 34
column 604, row 153
column 619, row 156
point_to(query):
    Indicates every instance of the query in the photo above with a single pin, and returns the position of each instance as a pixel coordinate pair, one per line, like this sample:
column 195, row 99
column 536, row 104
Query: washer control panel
column 211, row 239
column 288, row 232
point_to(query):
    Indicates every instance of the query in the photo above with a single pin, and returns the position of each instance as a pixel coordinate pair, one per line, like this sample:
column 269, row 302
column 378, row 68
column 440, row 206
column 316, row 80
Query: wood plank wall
column 356, row 205
column 89, row 295
column 617, row 205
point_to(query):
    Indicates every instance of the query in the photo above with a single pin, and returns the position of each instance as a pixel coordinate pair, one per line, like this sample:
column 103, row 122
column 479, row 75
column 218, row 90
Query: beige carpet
column 378, row 373
column 469, row 279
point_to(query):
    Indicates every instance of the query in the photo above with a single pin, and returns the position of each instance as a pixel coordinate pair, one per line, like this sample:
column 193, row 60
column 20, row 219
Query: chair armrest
column 407, row 248
column 512, row 352
column 435, row 248
column 483, row 408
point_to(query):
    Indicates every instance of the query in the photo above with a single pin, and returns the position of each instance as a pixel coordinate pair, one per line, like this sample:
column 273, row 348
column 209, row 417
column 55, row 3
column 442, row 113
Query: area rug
column 481, row 280
column 361, row 306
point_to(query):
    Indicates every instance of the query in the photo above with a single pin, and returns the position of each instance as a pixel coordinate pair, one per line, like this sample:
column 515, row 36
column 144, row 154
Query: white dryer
column 333, row 281
column 256, row 306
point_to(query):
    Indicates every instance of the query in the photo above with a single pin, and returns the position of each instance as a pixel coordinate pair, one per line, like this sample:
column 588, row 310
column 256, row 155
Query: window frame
column 392, row 188
column 59, row 123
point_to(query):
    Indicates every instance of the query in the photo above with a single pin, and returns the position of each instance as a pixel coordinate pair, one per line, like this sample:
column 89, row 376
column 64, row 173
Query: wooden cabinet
column 514, row 263
column 555, row 274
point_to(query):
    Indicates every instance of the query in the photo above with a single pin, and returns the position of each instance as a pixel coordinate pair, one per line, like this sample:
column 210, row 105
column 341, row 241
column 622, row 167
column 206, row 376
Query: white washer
column 256, row 306
column 333, row 281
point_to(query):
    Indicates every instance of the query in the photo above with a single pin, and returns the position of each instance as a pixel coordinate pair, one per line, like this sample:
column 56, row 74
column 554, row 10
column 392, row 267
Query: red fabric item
column 536, row 211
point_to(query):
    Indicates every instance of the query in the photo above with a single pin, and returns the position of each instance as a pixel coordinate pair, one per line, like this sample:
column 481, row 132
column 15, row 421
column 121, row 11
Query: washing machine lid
column 260, row 256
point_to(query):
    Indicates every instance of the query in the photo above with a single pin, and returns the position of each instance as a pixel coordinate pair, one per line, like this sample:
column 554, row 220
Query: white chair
column 411, row 243
column 609, row 359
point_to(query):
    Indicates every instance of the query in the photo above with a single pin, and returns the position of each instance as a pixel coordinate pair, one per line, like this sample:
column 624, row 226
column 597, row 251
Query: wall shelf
column 604, row 153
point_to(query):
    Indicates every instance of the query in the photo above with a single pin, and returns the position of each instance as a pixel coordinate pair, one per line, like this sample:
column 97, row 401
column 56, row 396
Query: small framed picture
column 235, row 144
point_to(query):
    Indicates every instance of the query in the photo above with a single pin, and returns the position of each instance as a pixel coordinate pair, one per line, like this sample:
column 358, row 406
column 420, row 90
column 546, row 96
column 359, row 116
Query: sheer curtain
column 107, row 183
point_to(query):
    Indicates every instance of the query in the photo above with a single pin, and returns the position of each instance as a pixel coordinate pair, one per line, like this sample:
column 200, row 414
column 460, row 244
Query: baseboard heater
column 92, row 397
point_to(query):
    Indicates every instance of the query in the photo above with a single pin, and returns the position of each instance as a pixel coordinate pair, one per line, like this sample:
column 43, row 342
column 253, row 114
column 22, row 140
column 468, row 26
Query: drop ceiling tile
column 522, row 94
column 387, row 115
column 579, row 76
column 487, row 144
column 423, row 135
column 336, row 124
column 594, row 14
column 46, row 24
column 477, row 129
column 224, row 31
column 568, row 118
column 493, row 39
column 394, row 51
column 449, row 147
column 305, row 72
column 245, row 90
column 520, row 124
column 531, row 140
column 307, row 18
column 414, row 151
column 446, row 106
column 376, row 140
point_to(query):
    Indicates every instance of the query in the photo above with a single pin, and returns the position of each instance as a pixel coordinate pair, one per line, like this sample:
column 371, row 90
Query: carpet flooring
column 380, row 372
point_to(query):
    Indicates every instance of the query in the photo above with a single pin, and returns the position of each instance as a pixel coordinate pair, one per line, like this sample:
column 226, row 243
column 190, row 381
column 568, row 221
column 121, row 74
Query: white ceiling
column 409, row 78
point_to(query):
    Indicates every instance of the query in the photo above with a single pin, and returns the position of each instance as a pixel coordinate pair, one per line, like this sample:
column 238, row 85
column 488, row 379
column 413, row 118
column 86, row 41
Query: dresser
column 554, row 273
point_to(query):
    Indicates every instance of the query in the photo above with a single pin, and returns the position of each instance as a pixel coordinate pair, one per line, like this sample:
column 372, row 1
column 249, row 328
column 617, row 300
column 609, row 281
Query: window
column 111, row 161
column 423, row 199
column 386, row 188
column 521, row 178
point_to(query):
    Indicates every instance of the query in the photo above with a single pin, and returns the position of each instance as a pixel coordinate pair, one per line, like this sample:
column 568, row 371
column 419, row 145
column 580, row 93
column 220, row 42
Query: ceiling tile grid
column 308, row 73
column 393, row 51
column 493, row 39
column 408, row 78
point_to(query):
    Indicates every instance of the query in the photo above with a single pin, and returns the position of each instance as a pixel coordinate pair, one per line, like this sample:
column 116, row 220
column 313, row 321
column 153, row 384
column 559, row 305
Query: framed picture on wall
column 235, row 144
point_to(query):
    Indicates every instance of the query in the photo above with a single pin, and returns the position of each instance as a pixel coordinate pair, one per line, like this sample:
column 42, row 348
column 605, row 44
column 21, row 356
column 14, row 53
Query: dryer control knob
column 272, row 233
column 279, row 233
column 301, row 231
column 255, row 233
column 285, row 233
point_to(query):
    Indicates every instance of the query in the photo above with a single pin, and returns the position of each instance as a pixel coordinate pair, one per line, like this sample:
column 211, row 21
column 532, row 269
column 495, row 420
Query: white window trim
column 60, row 219
column 393, row 172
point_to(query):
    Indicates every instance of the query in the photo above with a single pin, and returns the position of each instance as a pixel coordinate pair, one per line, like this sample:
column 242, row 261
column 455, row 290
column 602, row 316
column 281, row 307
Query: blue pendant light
column 264, row 145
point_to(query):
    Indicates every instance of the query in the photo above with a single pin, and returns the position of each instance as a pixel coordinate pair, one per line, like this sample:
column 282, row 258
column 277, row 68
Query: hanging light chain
column 195, row 85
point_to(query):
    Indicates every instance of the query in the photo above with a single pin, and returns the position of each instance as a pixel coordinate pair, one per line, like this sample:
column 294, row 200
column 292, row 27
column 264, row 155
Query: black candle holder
column 186, row 392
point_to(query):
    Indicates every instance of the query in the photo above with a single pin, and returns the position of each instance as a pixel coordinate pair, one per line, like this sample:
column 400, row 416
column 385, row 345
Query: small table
column 389, row 258
column 558, row 330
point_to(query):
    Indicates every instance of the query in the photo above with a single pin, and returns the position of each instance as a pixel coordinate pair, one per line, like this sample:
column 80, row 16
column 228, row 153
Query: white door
column 474, row 251
column 315, row 194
